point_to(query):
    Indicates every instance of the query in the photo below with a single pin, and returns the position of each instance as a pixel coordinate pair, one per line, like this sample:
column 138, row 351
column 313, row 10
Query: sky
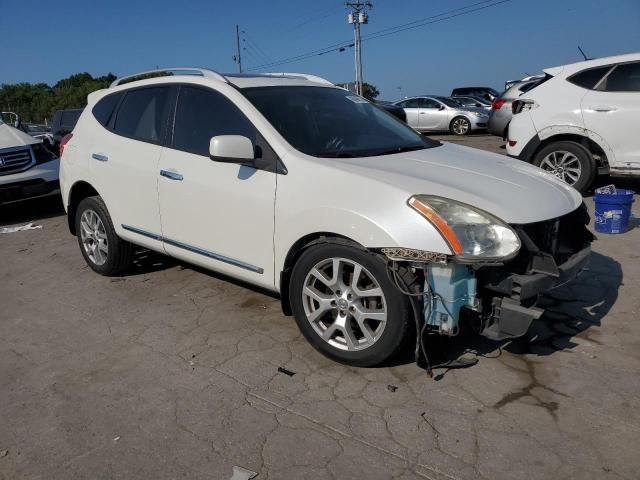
column 45, row 43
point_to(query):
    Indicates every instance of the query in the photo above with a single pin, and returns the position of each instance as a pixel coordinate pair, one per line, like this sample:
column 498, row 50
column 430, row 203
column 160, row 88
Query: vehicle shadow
column 148, row 261
column 571, row 312
column 31, row 209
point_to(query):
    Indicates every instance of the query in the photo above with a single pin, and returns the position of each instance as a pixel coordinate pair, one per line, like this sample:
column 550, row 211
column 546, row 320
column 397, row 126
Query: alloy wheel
column 344, row 304
column 564, row 165
column 94, row 237
column 460, row 126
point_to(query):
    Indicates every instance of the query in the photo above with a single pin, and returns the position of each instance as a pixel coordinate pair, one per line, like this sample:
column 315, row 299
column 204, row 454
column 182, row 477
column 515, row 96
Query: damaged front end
column 499, row 297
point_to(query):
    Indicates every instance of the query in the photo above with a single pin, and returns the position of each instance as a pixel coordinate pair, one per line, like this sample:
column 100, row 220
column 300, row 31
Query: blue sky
column 44, row 42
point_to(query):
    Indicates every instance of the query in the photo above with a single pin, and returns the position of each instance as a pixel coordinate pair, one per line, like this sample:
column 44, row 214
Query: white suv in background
column 367, row 230
column 581, row 120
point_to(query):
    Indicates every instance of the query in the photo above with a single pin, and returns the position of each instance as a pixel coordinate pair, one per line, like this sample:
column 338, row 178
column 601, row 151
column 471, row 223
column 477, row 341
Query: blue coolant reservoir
column 453, row 286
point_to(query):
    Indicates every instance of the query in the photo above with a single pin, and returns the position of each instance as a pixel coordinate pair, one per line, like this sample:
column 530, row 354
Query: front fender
column 405, row 228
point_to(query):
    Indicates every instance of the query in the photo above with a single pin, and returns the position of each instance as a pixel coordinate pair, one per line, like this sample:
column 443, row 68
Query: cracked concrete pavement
column 171, row 372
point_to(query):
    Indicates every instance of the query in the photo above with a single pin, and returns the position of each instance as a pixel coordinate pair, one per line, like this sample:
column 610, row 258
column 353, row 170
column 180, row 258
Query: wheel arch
column 460, row 115
column 595, row 144
column 78, row 192
column 296, row 250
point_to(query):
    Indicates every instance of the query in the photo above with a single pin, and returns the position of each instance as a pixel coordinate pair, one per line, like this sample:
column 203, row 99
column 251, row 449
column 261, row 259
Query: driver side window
column 429, row 103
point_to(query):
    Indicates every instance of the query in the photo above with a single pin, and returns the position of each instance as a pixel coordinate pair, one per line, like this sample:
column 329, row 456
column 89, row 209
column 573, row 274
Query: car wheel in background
column 102, row 249
column 346, row 305
column 460, row 126
column 570, row 162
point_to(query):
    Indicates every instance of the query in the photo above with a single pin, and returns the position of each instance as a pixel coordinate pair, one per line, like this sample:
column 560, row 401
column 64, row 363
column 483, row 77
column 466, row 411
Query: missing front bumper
column 503, row 310
column 510, row 318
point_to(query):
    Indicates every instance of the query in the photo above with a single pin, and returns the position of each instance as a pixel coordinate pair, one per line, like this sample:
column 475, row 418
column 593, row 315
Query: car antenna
column 583, row 54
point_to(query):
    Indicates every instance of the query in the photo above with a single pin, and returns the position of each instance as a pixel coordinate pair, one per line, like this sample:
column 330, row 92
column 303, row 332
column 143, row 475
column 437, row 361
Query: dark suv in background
column 484, row 92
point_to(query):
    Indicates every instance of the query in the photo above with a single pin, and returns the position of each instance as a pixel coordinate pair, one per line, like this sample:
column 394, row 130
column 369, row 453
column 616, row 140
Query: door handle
column 99, row 157
column 171, row 175
column 603, row 109
column 422, row 113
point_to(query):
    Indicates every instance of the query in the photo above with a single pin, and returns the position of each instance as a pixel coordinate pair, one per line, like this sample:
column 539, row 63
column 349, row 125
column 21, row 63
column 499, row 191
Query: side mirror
column 231, row 149
column 441, row 107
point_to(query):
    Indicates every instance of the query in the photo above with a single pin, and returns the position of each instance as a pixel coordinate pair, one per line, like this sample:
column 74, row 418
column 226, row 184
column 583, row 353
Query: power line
column 431, row 17
column 254, row 59
column 250, row 48
column 398, row 29
column 256, row 47
column 341, row 46
column 313, row 19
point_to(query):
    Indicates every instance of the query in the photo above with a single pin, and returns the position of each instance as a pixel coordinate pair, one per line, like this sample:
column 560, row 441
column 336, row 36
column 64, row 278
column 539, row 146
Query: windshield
column 36, row 129
column 331, row 122
column 481, row 100
column 449, row 102
column 467, row 102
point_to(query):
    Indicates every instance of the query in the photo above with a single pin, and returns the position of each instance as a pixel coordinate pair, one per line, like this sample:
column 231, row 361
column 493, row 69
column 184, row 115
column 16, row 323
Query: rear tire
column 361, row 322
column 460, row 126
column 570, row 162
column 102, row 249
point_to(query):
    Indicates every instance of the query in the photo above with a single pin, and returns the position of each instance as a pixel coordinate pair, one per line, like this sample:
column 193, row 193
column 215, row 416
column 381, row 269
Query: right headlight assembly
column 472, row 234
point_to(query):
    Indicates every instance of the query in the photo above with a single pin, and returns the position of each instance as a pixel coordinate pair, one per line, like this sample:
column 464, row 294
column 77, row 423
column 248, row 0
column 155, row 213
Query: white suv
column 581, row 120
column 367, row 230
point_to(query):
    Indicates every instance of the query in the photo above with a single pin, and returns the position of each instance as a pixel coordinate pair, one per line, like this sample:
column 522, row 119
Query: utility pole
column 357, row 16
column 237, row 58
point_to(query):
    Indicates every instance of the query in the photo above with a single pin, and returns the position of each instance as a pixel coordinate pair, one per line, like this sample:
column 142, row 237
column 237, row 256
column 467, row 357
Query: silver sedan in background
column 433, row 113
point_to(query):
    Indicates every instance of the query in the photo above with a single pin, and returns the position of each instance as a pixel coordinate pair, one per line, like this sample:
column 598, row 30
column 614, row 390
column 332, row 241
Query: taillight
column 498, row 103
column 522, row 105
column 64, row 141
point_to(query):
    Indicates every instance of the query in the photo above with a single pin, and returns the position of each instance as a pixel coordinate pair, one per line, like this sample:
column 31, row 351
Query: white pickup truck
column 27, row 167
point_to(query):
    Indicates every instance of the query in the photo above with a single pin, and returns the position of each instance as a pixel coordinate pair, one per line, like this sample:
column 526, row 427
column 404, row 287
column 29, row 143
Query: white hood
column 12, row 137
column 510, row 189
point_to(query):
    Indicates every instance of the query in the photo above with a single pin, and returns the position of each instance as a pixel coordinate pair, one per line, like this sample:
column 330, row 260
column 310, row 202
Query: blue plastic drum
column 613, row 211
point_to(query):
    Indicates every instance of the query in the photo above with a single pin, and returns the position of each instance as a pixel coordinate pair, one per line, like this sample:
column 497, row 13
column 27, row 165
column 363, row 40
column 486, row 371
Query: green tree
column 37, row 102
column 369, row 91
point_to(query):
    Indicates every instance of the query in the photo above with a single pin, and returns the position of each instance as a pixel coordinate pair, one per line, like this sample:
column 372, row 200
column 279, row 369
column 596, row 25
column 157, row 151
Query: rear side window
column 624, row 78
column 142, row 114
column 104, row 109
column 201, row 114
column 589, row 78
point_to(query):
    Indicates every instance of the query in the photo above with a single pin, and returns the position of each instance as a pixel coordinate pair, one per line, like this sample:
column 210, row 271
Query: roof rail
column 311, row 78
column 204, row 72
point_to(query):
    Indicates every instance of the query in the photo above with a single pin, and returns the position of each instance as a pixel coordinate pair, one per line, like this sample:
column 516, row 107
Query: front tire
column 102, row 249
column 346, row 305
column 570, row 162
column 460, row 126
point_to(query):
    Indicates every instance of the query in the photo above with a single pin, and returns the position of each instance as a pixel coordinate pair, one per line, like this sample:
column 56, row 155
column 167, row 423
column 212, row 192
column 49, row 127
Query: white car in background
column 581, row 120
column 27, row 167
column 367, row 230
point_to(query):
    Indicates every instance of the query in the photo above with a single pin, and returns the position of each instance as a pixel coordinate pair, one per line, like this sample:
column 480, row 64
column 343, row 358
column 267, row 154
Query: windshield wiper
column 335, row 155
column 399, row 150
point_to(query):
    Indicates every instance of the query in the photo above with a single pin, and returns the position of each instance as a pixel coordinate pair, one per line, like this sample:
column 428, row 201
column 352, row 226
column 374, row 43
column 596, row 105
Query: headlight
column 479, row 114
column 472, row 235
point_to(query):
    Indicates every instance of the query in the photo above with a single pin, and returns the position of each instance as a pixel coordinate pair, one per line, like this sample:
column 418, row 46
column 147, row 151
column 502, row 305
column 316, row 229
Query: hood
column 12, row 137
column 510, row 189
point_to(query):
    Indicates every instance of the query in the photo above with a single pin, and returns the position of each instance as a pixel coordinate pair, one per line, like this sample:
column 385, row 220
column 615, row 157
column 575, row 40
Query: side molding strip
column 200, row 251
